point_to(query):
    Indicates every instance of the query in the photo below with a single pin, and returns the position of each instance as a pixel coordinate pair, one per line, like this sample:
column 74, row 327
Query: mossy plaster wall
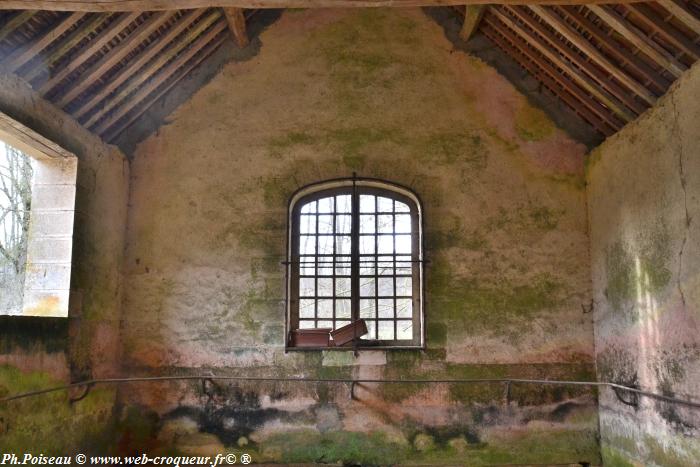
column 644, row 205
column 381, row 93
column 39, row 352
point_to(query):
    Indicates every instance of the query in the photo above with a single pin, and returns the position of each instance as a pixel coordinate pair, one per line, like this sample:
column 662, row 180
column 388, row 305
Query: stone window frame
column 51, row 220
column 377, row 186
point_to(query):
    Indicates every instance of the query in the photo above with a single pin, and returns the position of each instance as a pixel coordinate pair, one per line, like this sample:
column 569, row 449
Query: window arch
column 355, row 252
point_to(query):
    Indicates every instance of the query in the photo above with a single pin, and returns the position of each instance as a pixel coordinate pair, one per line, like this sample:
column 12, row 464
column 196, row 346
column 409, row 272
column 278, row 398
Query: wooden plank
column 651, row 18
column 66, row 46
column 16, row 21
column 586, row 47
column 472, row 18
column 28, row 141
column 684, row 15
column 96, row 44
column 624, row 56
column 536, row 69
column 24, row 54
column 153, row 98
column 638, row 39
column 528, row 49
column 114, row 56
column 132, row 67
column 143, row 5
column 160, row 61
column 165, row 74
column 584, row 81
column 236, row 24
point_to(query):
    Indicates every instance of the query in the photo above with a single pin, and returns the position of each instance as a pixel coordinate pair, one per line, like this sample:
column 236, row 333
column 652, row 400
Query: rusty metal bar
column 354, row 382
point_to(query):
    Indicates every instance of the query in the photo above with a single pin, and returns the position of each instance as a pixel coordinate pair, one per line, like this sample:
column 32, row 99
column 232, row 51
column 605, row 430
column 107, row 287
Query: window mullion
column 355, row 255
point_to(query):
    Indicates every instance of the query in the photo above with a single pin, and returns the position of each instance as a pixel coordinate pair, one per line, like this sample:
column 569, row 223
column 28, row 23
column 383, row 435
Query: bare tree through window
column 15, row 205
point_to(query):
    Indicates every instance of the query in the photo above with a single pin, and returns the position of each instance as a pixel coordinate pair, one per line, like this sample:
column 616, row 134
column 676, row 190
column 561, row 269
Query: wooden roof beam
column 114, row 56
column 472, row 18
column 151, row 5
column 16, row 21
column 151, row 99
column 66, row 46
column 92, row 47
column 131, row 68
column 555, row 86
column 623, row 55
column 154, row 66
column 586, row 47
column 24, row 54
column 651, row 18
column 684, row 15
column 236, row 24
column 591, row 86
column 638, row 39
column 565, row 81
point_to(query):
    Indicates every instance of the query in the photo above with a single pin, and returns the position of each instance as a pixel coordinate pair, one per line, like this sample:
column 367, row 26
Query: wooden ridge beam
column 682, row 14
column 132, row 67
column 567, row 82
column 96, row 44
column 538, row 70
column 236, row 24
column 472, row 18
column 586, row 47
column 638, row 39
column 16, row 21
column 160, row 61
column 65, row 46
column 623, row 55
column 651, row 18
column 584, row 81
column 150, row 5
column 24, row 54
column 150, row 100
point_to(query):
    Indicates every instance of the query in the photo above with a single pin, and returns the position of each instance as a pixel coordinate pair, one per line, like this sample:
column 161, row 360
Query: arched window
column 355, row 252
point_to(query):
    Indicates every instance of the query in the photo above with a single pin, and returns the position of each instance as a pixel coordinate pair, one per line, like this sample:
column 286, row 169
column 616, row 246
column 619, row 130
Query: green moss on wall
column 532, row 124
column 49, row 424
column 637, row 270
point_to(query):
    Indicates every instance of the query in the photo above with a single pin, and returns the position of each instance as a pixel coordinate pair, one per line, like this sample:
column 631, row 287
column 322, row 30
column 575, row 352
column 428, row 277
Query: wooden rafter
column 96, row 44
column 650, row 18
column 557, row 75
column 539, row 70
column 25, row 54
column 16, row 21
column 152, row 69
column 638, row 39
column 132, row 68
column 65, row 46
column 577, row 60
column 472, row 18
column 584, row 81
column 236, row 24
column 624, row 57
column 148, row 100
column 678, row 10
column 586, row 47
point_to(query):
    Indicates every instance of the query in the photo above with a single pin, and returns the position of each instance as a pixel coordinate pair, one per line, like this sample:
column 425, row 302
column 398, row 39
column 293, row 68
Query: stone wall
column 644, row 205
column 383, row 94
column 38, row 352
